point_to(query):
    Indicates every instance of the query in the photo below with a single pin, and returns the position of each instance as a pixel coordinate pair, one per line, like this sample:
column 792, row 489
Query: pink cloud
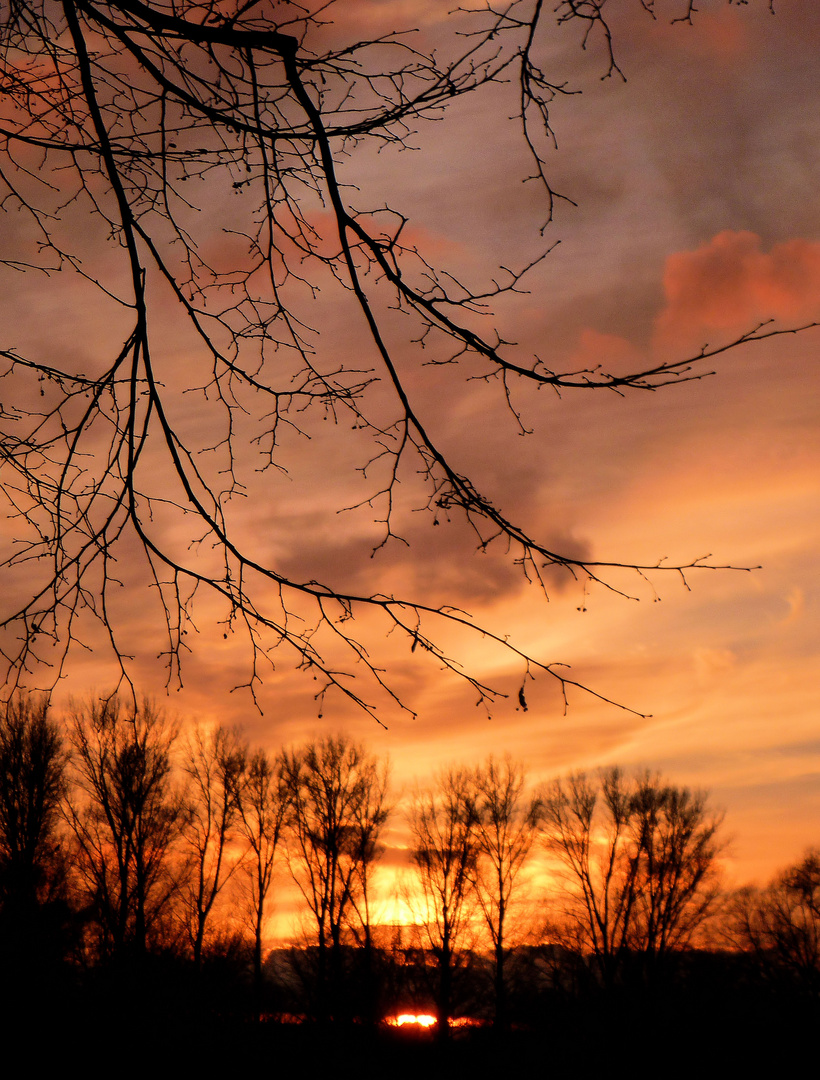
column 730, row 284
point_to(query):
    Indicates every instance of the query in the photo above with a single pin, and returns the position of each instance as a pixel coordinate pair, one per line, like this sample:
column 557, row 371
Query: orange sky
column 697, row 189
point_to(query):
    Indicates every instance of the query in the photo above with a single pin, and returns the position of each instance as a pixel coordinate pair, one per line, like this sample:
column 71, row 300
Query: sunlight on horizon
column 422, row 1020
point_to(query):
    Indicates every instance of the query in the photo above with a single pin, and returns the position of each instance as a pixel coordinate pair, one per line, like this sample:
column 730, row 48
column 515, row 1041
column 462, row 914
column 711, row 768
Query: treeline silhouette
column 139, row 866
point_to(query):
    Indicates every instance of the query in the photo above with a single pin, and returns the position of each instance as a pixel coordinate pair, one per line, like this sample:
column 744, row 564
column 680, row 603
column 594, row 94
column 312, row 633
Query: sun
column 422, row 1020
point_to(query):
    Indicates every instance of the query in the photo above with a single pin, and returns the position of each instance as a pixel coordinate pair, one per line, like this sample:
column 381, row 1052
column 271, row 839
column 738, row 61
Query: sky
column 695, row 218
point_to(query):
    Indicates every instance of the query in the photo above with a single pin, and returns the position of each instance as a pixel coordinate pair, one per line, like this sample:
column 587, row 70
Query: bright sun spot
column 423, row 1020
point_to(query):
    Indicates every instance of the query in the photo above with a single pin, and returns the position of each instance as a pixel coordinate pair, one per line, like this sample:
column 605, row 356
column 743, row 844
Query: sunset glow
column 694, row 219
column 410, row 534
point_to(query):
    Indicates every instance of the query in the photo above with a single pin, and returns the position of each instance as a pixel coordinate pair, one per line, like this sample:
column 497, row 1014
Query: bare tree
column 32, row 786
column 677, row 839
column 215, row 763
column 507, row 820
column 32, row 856
column 370, row 816
column 125, row 817
column 125, row 120
column 338, row 808
column 780, row 925
column 443, row 822
column 263, row 806
column 640, row 858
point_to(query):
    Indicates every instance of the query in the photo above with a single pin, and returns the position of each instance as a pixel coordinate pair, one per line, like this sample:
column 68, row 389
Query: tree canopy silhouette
column 780, row 924
column 640, row 858
column 33, row 860
column 444, row 825
column 121, row 123
column 338, row 806
column 125, row 819
column 507, row 820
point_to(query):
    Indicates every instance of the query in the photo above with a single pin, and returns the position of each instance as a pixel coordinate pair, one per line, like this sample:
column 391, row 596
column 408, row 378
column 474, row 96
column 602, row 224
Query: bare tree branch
column 115, row 114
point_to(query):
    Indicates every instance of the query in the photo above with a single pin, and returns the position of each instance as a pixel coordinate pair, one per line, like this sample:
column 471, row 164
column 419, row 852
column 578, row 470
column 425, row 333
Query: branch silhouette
column 115, row 113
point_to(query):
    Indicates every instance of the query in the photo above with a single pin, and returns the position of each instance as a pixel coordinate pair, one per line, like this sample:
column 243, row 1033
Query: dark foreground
column 713, row 1039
